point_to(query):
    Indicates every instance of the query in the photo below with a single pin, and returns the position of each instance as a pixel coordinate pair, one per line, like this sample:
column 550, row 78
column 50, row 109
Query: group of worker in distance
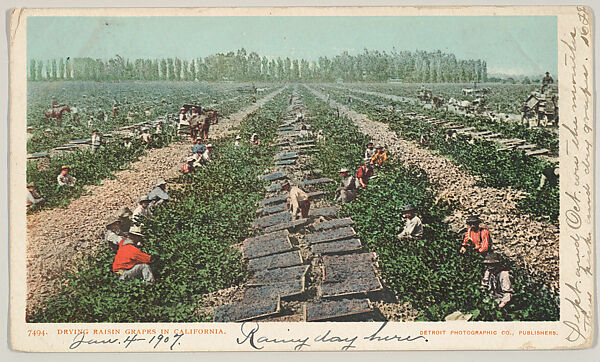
column 124, row 235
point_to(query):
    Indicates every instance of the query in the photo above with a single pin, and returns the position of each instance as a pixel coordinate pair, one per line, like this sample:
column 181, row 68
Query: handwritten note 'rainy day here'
column 578, row 163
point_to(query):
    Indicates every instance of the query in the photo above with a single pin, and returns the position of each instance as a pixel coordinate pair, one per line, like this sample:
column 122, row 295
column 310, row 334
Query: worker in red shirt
column 130, row 262
column 364, row 173
column 476, row 237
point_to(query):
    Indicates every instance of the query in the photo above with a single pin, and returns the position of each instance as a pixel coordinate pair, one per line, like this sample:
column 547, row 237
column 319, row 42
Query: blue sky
column 511, row 45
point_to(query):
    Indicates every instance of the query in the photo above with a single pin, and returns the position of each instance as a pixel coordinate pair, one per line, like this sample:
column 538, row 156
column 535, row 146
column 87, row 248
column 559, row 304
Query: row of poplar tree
column 418, row 66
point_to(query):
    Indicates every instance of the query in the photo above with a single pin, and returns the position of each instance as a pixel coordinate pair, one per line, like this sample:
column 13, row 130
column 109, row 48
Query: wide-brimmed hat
column 209, row 145
column 473, row 219
column 198, row 138
column 370, row 143
column 190, row 159
column 65, row 168
column 238, row 137
column 31, row 184
column 127, row 137
column 342, row 170
column 124, row 212
column 95, row 131
column 547, row 72
column 379, row 147
column 144, row 199
column 113, row 220
column 491, row 258
column 408, row 208
column 161, row 181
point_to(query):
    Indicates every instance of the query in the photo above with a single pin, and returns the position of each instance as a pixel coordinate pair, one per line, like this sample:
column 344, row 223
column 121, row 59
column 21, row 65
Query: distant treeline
column 406, row 66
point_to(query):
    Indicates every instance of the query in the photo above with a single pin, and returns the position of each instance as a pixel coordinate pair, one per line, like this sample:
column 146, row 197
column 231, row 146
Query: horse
column 57, row 113
column 208, row 117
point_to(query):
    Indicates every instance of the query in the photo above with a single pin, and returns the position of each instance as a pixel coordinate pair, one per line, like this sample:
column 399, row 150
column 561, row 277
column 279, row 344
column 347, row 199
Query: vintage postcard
column 301, row 179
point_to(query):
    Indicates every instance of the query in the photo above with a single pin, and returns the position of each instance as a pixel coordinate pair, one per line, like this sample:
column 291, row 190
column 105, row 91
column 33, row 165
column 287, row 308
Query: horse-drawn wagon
column 540, row 109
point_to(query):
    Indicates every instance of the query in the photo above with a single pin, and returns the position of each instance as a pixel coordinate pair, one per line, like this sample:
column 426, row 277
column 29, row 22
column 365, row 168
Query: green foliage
column 88, row 168
column 431, row 274
column 192, row 235
column 509, row 168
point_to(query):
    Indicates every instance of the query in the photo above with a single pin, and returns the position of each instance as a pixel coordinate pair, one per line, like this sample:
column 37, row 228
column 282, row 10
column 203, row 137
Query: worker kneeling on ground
column 33, row 197
column 297, row 199
column 64, row 179
column 114, row 233
column 364, row 173
column 207, row 155
column 380, row 156
column 346, row 192
column 496, row 279
column 413, row 229
column 130, row 262
column 199, row 147
column 476, row 237
column 188, row 166
column 158, row 195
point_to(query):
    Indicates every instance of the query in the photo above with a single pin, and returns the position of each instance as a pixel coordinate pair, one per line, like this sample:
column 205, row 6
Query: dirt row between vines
column 58, row 238
column 531, row 243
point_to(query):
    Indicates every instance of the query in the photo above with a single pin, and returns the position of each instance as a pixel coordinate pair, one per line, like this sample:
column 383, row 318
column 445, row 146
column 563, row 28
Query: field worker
column 64, row 179
column 380, row 156
column 124, row 215
column 206, row 156
column 546, row 81
column 199, row 147
column 91, row 122
column 182, row 119
column 130, row 262
column 145, row 136
column 549, row 176
column 75, row 114
column 496, row 279
column 127, row 141
column 237, row 141
column 142, row 210
column 364, row 173
column 33, row 197
column 130, row 116
column 413, row 229
column 369, row 152
column 113, row 233
column 254, row 141
column 320, row 136
column 115, row 111
column 304, row 132
column 147, row 112
column 297, row 199
column 158, row 195
column 100, row 115
column 476, row 237
column 96, row 140
column 159, row 128
column 188, row 166
column 346, row 192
